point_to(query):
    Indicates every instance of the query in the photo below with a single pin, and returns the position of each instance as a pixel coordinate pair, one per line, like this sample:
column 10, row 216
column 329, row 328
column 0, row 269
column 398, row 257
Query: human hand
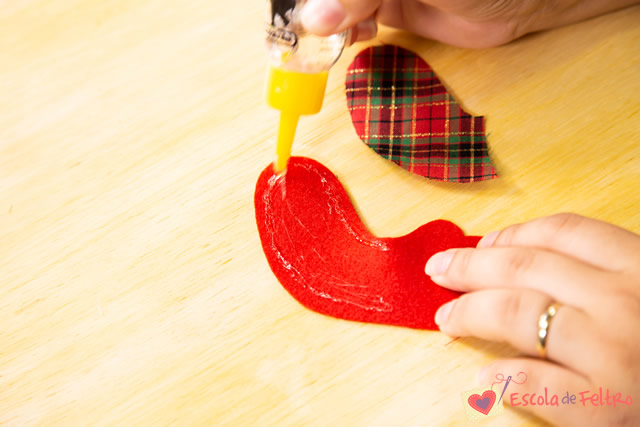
column 465, row 23
column 592, row 269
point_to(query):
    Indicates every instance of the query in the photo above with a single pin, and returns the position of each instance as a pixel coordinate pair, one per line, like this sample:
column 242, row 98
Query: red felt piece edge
column 325, row 257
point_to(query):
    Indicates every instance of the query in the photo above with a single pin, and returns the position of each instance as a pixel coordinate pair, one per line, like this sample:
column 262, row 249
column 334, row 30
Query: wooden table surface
column 133, row 289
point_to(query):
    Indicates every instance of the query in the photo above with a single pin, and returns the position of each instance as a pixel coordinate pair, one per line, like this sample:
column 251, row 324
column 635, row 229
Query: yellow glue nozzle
column 293, row 93
column 286, row 134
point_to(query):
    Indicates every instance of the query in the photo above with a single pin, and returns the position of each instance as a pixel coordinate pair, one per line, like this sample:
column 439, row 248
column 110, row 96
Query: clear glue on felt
column 299, row 65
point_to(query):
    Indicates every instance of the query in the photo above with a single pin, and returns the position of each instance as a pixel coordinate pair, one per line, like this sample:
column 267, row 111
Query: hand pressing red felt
column 322, row 253
column 590, row 270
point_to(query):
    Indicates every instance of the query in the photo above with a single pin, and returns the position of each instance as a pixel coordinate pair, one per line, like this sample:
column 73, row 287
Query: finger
column 565, row 279
column 326, row 17
column 445, row 22
column 543, row 377
column 364, row 31
column 595, row 242
column 511, row 315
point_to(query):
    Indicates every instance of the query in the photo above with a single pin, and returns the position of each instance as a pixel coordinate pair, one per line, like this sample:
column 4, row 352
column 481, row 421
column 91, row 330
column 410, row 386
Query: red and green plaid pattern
column 402, row 111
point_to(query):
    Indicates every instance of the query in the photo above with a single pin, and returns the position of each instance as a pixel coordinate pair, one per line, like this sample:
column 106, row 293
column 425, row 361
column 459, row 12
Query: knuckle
column 633, row 305
column 518, row 263
column 627, row 306
column 627, row 360
column 511, row 303
column 508, row 235
column 461, row 263
column 547, row 229
column 562, row 223
column 458, row 314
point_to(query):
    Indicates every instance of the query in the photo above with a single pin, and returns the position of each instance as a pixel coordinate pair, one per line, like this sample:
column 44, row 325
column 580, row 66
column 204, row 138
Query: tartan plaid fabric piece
column 401, row 110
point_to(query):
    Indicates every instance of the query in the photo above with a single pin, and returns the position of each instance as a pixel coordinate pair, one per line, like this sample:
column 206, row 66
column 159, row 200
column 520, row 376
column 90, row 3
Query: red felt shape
column 325, row 257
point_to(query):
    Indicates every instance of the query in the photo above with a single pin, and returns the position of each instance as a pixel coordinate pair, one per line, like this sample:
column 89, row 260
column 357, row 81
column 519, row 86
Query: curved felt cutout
column 400, row 109
column 325, row 257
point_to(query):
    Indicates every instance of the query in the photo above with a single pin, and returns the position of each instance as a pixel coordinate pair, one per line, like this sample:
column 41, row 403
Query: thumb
column 326, row 17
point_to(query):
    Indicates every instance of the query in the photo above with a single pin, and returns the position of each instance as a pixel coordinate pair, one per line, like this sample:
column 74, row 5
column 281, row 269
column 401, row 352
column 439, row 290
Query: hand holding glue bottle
column 298, row 70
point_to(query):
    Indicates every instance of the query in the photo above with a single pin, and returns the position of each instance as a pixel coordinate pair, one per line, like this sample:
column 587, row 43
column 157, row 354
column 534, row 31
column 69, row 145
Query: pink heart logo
column 484, row 403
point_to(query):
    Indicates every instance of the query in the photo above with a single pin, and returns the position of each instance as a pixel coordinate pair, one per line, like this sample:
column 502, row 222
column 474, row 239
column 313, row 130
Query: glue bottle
column 298, row 70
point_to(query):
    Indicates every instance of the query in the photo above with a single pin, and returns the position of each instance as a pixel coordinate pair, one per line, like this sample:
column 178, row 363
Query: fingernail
column 322, row 16
column 442, row 315
column 439, row 263
column 488, row 240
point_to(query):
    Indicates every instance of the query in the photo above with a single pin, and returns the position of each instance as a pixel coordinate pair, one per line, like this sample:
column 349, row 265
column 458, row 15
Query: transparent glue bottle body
column 299, row 64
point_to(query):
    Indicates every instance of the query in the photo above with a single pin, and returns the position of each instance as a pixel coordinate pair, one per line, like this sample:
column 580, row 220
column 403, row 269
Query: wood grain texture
column 133, row 289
